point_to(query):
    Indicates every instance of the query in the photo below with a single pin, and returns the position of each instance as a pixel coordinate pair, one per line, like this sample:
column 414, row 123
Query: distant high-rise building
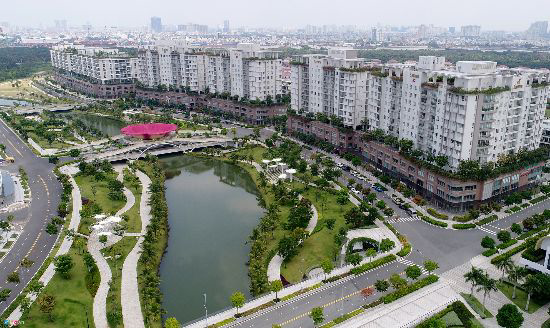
column 156, row 24
column 538, row 29
column 471, row 30
column 452, row 29
column 226, row 26
column 60, row 24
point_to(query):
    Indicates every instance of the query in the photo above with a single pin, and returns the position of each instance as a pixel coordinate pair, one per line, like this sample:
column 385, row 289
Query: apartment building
column 246, row 71
column 333, row 84
column 98, row 65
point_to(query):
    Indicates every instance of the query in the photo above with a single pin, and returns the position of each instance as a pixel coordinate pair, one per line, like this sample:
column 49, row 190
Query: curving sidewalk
column 274, row 266
column 94, row 248
column 131, row 306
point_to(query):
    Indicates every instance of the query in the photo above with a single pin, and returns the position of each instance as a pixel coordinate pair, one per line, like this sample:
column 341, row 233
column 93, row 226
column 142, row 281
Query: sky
column 510, row 15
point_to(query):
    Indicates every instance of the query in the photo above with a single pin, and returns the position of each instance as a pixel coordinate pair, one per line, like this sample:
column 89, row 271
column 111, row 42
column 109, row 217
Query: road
column 450, row 248
column 33, row 242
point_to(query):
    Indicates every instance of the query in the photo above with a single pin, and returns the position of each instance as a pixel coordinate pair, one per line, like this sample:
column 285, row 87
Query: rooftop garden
column 489, row 91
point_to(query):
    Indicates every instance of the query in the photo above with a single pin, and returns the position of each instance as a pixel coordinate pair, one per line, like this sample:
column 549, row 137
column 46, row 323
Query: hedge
column 402, row 238
column 463, row 226
column 489, row 252
column 433, row 221
column 436, row 214
column 300, row 292
column 222, row 323
column 371, row 265
column 531, row 232
column 507, row 244
column 405, row 250
column 409, row 289
column 457, row 307
column 513, row 251
column 532, row 254
column 486, row 220
column 538, row 199
column 343, row 318
column 515, row 209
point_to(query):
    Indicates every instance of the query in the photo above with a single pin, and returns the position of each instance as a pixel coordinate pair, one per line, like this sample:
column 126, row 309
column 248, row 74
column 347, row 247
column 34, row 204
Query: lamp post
column 206, row 312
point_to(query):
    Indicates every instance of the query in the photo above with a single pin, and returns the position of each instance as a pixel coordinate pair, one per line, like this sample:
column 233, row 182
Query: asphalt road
column 450, row 248
column 34, row 242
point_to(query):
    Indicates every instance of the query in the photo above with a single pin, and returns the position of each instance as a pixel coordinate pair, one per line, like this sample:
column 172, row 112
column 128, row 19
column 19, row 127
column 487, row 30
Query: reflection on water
column 10, row 102
column 212, row 211
column 108, row 126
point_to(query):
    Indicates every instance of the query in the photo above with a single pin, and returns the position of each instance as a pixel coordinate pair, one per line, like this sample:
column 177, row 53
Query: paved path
column 94, row 248
column 131, row 306
column 67, row 241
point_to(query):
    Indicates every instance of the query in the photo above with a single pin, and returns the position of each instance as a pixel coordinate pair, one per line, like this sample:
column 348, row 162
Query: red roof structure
column 149, row 130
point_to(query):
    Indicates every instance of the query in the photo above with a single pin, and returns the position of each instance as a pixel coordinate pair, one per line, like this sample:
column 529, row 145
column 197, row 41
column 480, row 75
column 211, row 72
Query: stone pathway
column 131, row 307
column 67, row 241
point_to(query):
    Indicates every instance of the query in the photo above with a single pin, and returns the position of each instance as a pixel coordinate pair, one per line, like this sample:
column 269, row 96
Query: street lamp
column 206, row 312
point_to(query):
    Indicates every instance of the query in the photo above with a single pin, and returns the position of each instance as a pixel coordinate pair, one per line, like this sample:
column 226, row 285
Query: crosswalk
column 484, row 229
column 407, row 219
column 408, row 263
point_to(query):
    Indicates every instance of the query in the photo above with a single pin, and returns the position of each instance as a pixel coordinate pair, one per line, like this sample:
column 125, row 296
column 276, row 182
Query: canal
column 212, row 211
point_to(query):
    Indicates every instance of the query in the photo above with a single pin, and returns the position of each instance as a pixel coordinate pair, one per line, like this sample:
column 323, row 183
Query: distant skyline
column 490, row 14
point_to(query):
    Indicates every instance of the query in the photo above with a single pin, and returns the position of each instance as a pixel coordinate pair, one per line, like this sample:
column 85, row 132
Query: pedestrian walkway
column 409, row 263
column 484, row 229
column 408, row 219
column 131, row 306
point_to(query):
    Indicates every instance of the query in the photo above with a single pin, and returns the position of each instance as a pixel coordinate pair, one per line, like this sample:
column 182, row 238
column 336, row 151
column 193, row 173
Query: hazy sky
column 490, row 14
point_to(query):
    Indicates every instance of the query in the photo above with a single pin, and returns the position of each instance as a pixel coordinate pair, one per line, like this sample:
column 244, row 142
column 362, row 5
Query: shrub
column 489, row 252
column 487, row 220
column 507, row 244
column 433, row 221
column 515, row 209
column 464, row 226
column 436, row 214
column 487, row 242
column 409, row 289
column 504, row 236
column 371, row 265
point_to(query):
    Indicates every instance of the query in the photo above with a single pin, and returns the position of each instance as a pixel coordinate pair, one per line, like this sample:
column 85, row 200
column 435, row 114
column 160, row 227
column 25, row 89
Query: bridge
column 160, row 147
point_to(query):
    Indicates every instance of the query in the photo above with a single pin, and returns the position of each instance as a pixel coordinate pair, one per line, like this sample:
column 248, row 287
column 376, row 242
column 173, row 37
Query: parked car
column 340, row 165
column 346, row 168
column 377, row 188
column 355, row 191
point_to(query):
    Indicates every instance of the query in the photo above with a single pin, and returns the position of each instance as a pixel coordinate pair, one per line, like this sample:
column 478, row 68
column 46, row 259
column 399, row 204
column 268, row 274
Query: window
column 470, row 188
column 470, row 197
column 420, row 173
column 430, row 177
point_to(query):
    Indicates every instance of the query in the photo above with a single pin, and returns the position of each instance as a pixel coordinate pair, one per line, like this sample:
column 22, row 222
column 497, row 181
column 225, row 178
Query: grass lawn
column 108, row 206
column 521, row 297
column 319, row 245
column 452, row 320
column 121, row 249
column 24, row 91
column 74, row 301
column 258, row 153
column 546, row 324
column 477, row 306
column 45, row 144
column 547, row 113
column 134, row 221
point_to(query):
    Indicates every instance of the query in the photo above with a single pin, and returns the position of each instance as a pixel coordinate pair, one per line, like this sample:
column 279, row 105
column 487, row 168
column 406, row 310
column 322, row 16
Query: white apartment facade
column 99, row 65
column 467, row 111
column 246, row 72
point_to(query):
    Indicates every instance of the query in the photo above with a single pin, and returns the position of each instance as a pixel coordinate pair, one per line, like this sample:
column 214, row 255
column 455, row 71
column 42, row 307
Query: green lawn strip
column 538, row 199
column 114, row 306
column 401, row 292
column 222, row 323
column 433, row 221
column 476, row 305
column 374, row 264
column 521, row 297
column 74, row 302
column 452, row 320
column 134, row 217
column 107, row 205
column 343, row 318
column 527, row 243
column 462, row 226
column 454, row 315
column 487, row 220
column 300, row 292
column 45, row 144
column 546, row 324
column 258, row 153
column 320, row 245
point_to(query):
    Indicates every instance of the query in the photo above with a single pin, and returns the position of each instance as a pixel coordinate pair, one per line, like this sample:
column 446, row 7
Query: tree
column 63, row 265
column 397, row 282
column 487, row 242
column 503, row 236
column 515, row 274
column 14, row 277
column 516, row 228
column 386, row 245
column 103, row 239
column 530, row 285
column 47, row 304
column 276, row 287
column 4, row 294
column 330, row 223
column 353, row 259
column 74, row 152
column 237, row 299
column 370, row 253
column 172, row 323
column 430, row 266
column 327, row 267
column 25, row 305
column 366, row 292
column 51, row 229
column 35, row 286
column 413, row 272
column 487, row 285
column 474, row 277
column 505, row 266
column 316, row 315
column 509, row 316
column 381, row 285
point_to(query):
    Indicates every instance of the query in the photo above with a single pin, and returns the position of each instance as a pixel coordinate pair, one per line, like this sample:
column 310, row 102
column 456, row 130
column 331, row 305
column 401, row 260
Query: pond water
column 212, row 211
column 108, row 126
column 11, row 102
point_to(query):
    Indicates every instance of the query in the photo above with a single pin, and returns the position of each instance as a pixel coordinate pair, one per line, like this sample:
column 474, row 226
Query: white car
column 355, row 191
column 340, row 165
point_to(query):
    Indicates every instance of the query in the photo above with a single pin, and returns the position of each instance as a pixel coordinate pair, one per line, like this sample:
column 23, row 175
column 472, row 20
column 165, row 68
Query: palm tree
column 515, row 274
column 505, row 266
column 473, row 276
column 487, row 285
column 530, row 285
